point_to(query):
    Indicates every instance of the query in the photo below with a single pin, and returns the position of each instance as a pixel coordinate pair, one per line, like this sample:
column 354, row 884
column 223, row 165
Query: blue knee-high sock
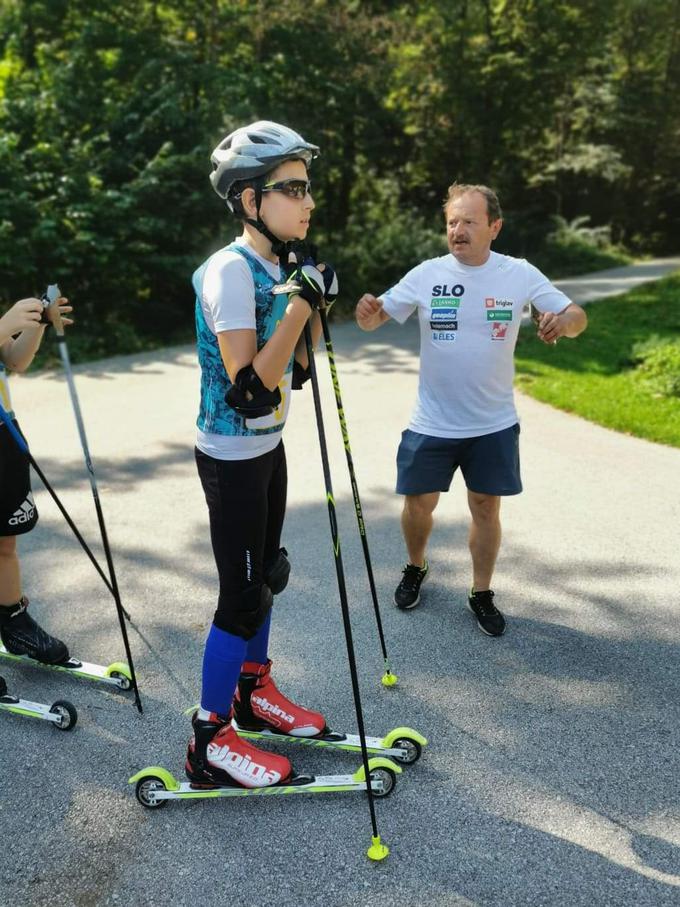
column 258, row 646
column 224, row 654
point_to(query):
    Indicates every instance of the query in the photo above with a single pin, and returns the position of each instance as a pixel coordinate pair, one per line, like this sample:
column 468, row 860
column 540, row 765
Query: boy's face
column 286, row 216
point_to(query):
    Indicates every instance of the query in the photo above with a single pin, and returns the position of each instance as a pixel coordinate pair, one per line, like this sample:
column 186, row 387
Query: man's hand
column 369, row 312
column 24, row 314
column 569, row 323
column 549, row 327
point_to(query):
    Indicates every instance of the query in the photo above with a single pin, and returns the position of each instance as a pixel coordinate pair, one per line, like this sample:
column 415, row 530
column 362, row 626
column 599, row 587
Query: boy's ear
column 248, row 202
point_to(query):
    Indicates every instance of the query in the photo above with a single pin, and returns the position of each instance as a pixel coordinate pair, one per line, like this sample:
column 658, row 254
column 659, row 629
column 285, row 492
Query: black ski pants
column 247, row 504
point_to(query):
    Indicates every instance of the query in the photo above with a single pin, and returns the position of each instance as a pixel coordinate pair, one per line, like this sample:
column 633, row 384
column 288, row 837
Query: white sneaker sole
column 486, row 632
column 416, row 602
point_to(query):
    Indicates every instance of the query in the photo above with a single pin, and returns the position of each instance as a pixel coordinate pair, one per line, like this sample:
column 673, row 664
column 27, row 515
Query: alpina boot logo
column 269, row 708
column 240, row 766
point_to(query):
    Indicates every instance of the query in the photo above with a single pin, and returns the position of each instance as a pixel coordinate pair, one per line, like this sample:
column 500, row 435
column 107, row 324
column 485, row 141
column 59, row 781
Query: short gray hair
column 493, row 206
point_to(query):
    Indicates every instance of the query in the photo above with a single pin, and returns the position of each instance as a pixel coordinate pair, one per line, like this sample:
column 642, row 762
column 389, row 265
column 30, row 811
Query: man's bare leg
column 485, row 541
column 485, row 537
column 416, row 524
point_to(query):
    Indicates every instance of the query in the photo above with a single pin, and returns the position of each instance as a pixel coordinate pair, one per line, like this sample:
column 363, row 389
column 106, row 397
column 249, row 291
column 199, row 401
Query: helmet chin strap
column 278, row 245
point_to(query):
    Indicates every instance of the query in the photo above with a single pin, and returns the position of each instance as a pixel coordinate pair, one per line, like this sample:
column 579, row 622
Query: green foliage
column 575, row 248
column 109, row 111
column 592, row 375
column 659, row 365
column 384, row 239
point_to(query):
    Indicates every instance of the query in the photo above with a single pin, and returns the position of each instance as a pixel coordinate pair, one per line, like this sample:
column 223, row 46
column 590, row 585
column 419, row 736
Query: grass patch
column 600, row 375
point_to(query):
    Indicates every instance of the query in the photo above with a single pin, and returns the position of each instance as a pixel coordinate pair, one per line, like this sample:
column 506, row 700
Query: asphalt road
column 551, row 776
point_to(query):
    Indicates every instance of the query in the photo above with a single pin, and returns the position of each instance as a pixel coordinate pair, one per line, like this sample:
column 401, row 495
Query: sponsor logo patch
column 450, row 302
column 498, row 331
column 444, row 325
column 444, row 314
column 444, row 335
column 499, row 315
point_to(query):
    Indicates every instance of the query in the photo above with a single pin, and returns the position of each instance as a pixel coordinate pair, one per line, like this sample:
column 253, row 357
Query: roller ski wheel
column 116, row 675
column 67, row 716
column 154, row 786
column 61, row 714
column 403, row 744
column 383, row 780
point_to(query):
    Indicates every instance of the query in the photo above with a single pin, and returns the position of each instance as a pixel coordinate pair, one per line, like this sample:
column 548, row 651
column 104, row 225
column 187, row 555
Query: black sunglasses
column 293, row 188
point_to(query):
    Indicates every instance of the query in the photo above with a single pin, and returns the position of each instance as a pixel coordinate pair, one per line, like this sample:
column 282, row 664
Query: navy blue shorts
column 489, row 463
column 18, row 513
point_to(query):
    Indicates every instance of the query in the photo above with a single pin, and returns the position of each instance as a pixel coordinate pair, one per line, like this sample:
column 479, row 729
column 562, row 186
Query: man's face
column 468, row 231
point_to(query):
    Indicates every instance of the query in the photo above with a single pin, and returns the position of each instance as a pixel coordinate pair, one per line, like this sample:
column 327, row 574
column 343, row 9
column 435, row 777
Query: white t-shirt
column 228, row 304
column 469, row 321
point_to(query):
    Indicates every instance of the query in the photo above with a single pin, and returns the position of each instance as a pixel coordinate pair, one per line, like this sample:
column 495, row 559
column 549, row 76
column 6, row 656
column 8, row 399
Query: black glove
column 330, row 282
column 294, row 253
column 309, row 283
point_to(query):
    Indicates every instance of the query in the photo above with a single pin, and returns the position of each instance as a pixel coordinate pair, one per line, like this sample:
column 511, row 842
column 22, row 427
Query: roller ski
column 262, row 712
column 221, row 764
column 61, row 714
column 23, row 640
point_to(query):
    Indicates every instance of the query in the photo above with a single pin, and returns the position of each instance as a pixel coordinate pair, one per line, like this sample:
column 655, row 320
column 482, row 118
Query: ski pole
column 388, row 679
column 23, row 447
column 53, row 314
column 377, row 850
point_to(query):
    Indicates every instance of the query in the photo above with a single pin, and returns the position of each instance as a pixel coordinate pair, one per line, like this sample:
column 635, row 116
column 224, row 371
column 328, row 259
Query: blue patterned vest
column 214, row 414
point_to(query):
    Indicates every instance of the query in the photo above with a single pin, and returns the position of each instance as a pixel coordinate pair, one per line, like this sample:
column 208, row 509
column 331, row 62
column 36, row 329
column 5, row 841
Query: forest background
column 109, row 112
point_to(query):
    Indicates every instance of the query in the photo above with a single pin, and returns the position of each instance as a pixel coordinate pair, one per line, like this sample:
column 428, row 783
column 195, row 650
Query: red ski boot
column 216, row 755
column 259, row 705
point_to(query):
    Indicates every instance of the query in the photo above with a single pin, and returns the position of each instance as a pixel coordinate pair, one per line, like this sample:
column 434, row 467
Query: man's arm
column 570, row 322
column 369, row 313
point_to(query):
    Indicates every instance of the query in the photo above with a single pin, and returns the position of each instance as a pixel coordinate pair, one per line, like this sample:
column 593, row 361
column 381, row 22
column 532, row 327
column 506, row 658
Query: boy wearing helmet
column 252, row 353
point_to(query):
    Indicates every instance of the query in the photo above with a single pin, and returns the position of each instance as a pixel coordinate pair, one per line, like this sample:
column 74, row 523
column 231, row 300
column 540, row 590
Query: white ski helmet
column 254, row 150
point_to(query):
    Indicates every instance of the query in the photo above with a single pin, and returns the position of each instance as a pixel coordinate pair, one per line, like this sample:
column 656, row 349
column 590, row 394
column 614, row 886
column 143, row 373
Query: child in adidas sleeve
column 21, row 333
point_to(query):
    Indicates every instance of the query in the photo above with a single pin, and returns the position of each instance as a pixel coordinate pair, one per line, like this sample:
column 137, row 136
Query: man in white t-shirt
column 469, row 305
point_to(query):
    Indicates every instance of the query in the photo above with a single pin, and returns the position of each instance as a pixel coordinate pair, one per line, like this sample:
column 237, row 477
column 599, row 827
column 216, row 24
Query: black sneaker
column 489, row 618
column 407, row 593
column 21, row 635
